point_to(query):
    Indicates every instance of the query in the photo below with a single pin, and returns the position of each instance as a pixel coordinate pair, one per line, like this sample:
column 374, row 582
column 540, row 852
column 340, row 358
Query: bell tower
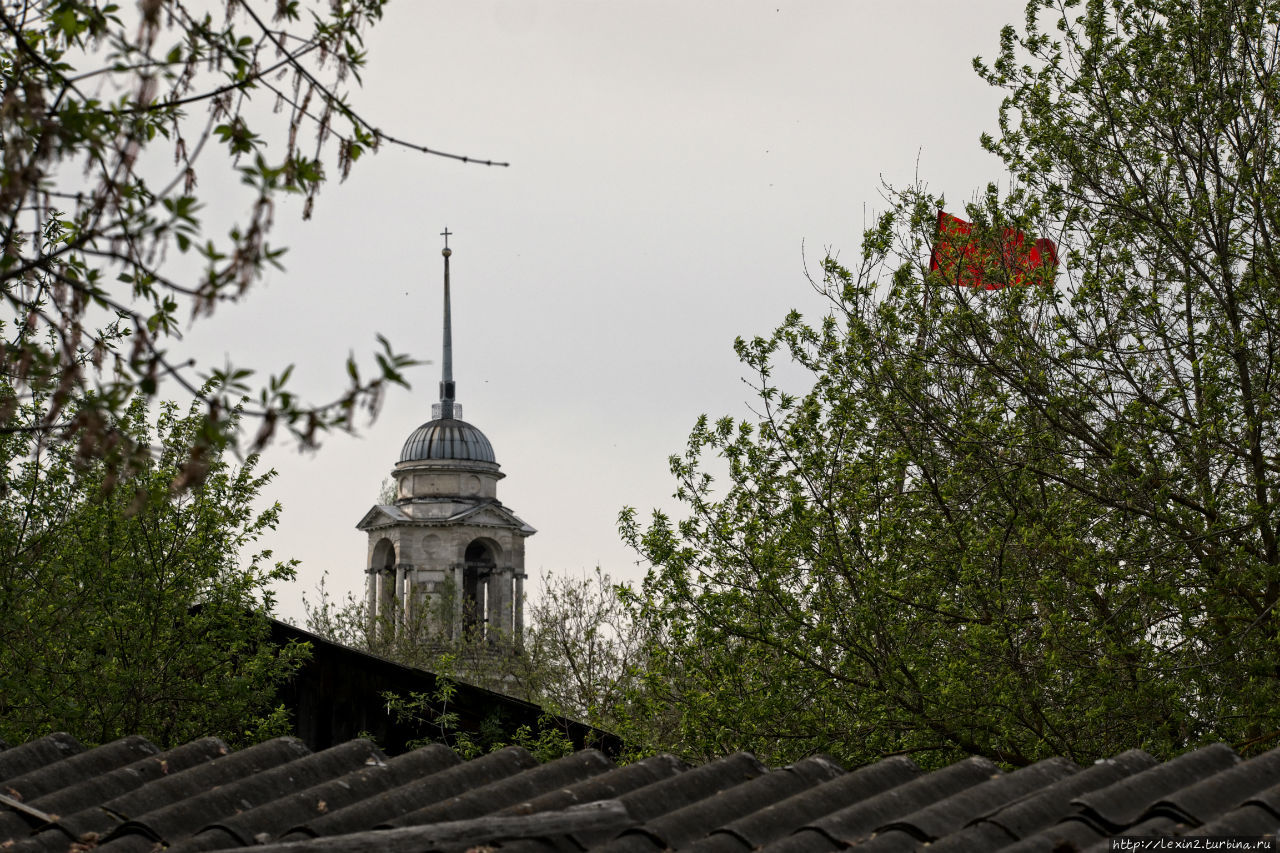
column 446, row 556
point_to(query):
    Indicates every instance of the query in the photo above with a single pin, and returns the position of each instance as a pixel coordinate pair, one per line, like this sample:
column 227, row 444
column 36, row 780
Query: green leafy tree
column 131, row 607
column 434, row 713
column 577, row 658
column 109, row 120
column 585, row 648
column 1034, row 520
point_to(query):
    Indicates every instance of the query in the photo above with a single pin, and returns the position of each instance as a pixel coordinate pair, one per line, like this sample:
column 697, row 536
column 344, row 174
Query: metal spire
column 446, row 378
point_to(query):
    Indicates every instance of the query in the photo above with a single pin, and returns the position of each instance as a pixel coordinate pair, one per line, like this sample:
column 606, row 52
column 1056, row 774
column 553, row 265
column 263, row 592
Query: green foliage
column 547, row 743
column 125, row 607
column 424, row 639
column 577, row 658
column 432, row 711
column 1016, row 523
column 112, row 116
column 584, row 648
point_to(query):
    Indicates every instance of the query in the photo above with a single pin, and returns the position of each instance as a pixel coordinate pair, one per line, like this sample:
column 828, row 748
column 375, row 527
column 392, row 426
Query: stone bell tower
column 447, row 554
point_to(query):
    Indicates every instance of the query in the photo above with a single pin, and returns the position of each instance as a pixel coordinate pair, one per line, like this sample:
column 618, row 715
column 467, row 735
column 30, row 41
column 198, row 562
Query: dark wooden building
column 339, row 694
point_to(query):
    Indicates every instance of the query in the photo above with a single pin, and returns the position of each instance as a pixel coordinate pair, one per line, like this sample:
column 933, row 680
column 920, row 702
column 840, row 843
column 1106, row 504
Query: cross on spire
column 447, row 406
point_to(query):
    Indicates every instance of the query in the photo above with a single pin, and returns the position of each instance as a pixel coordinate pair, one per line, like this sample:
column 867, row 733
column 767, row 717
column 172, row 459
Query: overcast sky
column 673, row 167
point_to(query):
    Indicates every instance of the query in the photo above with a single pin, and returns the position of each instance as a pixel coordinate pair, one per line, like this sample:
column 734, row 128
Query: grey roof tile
column 1249, row 819
column 478, row 835
column 1045, row 806
column 137, row 842
column 1067, row 835
column 73, row 768
column 1155, row 827
column 775, row 821
column 1203, row 801
column 1041, row 808
column 981, row 837
column 99, row 820
column 496, row 795
column 720, row 841
column 93, row 790
column 611, row 785
column 264, row 822
column 402, row 799
column 696, row 784
column 115, row 784
column 890, row 841
column 1268, row 798
column 216, row 836
column 1123, row 804
column 634, row 841
column 22, row 759
column 557, row 844
column 804, row 840
column 199, row 797
column 854, row 823
column 683, row 826
column 15, row 824
column 183, row 818
column 1158, row 825
column 941, row 818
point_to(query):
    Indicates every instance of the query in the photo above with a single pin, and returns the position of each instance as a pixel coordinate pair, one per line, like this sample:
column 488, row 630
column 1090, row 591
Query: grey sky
column 668, row 162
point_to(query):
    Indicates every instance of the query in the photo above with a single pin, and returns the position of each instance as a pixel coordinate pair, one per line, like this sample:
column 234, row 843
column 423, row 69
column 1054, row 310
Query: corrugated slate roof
column 278, row 796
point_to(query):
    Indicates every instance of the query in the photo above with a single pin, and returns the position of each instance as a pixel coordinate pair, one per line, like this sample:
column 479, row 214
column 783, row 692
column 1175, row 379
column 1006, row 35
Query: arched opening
column 384, row 555
column 479, row 562
column 382, row 579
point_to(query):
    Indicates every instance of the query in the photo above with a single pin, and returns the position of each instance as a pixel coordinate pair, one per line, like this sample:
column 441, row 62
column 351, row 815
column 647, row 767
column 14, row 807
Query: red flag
column 967, row 262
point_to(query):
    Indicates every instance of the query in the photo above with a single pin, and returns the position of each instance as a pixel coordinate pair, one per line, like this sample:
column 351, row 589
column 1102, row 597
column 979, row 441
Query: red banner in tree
column 966, row 259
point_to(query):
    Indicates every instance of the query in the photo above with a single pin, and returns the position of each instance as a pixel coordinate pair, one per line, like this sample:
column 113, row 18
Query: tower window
column 480, row 562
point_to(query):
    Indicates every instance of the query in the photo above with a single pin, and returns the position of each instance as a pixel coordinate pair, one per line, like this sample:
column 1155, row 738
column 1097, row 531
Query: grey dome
column 447, row 438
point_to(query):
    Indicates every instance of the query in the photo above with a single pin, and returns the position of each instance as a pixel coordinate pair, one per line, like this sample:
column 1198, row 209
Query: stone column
column 457, row 602
column 399, row 600
column 493, row 604
column 406, row 600
column 384, row 598
column 517, row 607
column 371, row 598
column 506, row 583
column 496, row 626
